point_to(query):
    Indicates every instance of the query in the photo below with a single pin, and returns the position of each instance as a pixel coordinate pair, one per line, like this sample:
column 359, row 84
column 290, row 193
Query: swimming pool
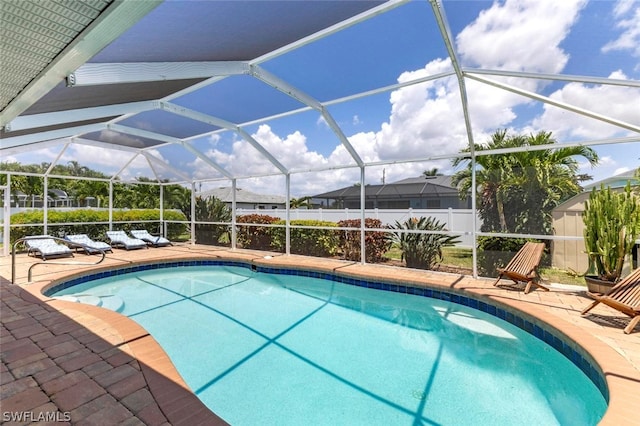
column 271, row 347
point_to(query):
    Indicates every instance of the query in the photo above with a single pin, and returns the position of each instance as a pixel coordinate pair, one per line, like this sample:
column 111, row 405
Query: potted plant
column 611, row 227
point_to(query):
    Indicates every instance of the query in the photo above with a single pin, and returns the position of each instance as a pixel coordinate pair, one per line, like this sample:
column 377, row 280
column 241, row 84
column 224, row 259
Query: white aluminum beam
column 16, row 141
column 560, row 77
column 142, row 133
column 197, row 115
column 152, row 159
column 281, row 85
column 136, row 72
column 368, row 14
column 389, row 88
column 104, row 145
column 54, row 162
column 563, row 105
column 115, row 175
column 20, row 149
column 215, row 121
column 284, row 87
column 207, row 160
column 445, row 32
column 75, row 115
column 164, row 138
column 118, row 17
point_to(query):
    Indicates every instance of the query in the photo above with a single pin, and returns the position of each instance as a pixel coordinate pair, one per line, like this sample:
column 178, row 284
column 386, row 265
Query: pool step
column 114, row 303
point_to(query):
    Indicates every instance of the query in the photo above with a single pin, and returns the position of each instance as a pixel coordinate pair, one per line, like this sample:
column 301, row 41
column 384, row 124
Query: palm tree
column 547, row 177
column 518, row 190
column 431, row 172
column 75, row 169
column 91, row 188
column 178, row 197
column 211, row 209
column 298, row 203
column 493, row 180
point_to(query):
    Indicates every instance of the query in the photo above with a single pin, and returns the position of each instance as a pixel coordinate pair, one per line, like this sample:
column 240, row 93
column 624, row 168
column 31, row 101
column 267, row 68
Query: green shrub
column 376, row 243
column 255, row 237
column 61, row 223
column 211, row 209
column 309, row 242
column 421, row 251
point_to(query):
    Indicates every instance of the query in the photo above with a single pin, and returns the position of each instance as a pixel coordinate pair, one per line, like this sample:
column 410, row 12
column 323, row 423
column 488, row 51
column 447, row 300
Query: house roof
column 243, row 196
column 617, row 181
column 410, row 187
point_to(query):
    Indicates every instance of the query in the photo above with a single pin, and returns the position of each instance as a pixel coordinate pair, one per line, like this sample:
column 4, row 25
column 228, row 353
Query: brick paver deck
column 80, row 364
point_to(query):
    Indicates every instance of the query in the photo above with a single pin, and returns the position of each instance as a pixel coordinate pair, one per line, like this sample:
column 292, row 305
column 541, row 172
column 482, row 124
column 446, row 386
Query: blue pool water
column 260, row 348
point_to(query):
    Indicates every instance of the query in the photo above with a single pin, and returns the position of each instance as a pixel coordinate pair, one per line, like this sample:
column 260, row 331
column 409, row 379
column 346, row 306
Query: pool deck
column 85, row 365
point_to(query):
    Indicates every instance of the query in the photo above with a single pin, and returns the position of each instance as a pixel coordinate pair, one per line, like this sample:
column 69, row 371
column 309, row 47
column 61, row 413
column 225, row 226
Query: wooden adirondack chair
column 523, row 267
column 623, row 297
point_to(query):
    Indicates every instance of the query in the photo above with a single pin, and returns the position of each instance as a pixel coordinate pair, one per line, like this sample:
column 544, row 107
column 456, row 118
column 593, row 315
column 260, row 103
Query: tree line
column 516, row 191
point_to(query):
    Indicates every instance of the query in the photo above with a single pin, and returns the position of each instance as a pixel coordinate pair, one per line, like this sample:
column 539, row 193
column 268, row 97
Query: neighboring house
column 617, row 181
column 567, row 221
column 433, row 192
column 246, row 199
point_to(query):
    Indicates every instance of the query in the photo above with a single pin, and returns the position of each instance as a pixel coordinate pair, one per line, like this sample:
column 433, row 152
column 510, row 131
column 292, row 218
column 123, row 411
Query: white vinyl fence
column 459, row 221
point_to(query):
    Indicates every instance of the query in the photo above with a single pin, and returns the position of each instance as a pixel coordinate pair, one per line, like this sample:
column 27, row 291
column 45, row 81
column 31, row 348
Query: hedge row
column 313, row 242
column 97, row 222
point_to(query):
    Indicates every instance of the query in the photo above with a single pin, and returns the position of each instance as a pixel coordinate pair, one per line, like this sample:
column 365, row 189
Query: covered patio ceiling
column 162, row 79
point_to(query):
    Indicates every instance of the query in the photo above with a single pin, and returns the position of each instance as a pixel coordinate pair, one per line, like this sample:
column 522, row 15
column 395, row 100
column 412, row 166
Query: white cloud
column 628, row 14
column 621, row 170
column 109, row 161
column 427, row 119
column 616, row 102
column 508, row 35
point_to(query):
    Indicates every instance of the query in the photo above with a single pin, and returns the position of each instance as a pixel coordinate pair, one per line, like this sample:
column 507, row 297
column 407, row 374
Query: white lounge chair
column 120, row 239
column 89, row 246
column 152, row 240
column 47, row 248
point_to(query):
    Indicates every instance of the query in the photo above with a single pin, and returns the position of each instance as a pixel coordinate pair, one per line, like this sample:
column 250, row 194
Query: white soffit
column 70, row 33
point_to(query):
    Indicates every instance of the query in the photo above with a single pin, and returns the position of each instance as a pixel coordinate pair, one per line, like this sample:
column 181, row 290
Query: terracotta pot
column 596, row 285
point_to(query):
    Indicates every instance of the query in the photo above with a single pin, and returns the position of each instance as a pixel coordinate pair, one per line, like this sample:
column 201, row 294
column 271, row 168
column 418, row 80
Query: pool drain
column 419, row 395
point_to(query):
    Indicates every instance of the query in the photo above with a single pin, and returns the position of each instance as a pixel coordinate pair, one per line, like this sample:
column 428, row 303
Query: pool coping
column 621, row 377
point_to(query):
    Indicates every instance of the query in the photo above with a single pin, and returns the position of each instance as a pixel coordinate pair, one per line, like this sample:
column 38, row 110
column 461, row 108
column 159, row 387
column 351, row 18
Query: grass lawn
column 561, row 277
column 451, row 256
column 460, row 257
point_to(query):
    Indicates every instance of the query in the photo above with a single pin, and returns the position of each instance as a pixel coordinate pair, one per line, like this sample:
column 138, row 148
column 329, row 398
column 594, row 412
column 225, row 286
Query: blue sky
column 576, row 37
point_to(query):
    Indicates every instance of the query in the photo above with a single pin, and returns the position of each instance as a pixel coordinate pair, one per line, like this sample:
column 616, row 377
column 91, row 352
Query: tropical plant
column 611, row 227
column 178, row 197
column 376, row 243
column 87, row 189
column 431, row 172
column 420, row 249
column 255, row 237
column 211, row 209
column 517, row 191
column 93, row 222
column 298, row 203
column 308, row 237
